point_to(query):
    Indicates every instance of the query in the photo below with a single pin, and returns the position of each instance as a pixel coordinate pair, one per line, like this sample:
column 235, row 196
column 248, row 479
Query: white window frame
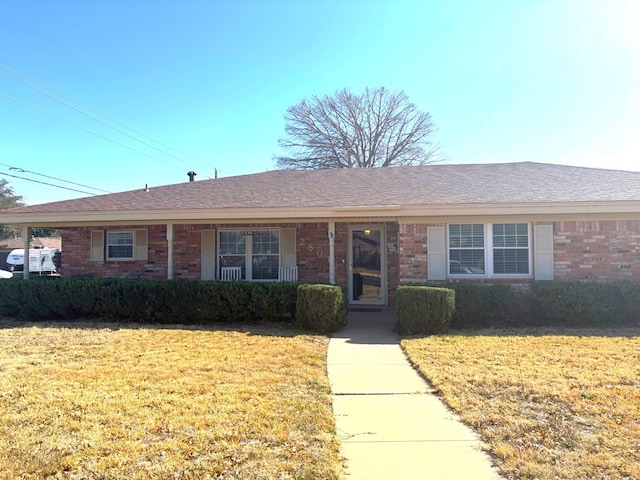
column 133, row 245
column 248, row 255
column 488, row 253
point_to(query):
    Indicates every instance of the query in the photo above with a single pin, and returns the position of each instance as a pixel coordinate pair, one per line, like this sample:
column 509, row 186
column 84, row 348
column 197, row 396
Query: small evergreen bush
column 321, row 308
column 424, row 310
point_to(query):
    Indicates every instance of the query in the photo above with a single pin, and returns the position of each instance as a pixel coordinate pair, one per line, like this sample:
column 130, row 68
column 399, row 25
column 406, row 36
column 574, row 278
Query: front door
column 367, row 282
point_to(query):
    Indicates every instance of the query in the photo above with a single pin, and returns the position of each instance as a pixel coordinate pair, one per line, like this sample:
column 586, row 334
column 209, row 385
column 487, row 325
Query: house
column 366, row 229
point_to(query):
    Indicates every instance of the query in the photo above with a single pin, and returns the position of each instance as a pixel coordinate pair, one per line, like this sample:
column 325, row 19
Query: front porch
column 359, row 256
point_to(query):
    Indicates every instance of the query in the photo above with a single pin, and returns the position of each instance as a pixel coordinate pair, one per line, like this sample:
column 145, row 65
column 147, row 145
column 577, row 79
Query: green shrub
column 586, row 304
column 321, row 308
column 177, row 301
column 485, row 306
column 424, row 310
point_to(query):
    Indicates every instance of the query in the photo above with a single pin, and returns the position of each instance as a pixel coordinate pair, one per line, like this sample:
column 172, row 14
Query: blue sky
column 547, row 81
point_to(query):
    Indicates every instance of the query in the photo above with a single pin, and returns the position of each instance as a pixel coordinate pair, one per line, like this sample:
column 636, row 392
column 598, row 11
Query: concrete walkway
column 390, row 425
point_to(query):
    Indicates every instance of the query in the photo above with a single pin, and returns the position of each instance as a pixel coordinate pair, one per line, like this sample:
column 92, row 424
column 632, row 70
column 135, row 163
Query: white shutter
column 288, row 248
column 543, row 252
column 97, row 246
column 208, row 255
column 141, row 245
column 436, row 253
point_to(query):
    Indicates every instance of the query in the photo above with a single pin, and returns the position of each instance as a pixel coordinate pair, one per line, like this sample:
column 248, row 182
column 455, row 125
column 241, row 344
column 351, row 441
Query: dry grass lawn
column 124, row 402
column 550, row 405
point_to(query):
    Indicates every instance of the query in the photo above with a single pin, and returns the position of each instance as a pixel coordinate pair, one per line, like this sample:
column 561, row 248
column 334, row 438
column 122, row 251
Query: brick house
column 366, row 229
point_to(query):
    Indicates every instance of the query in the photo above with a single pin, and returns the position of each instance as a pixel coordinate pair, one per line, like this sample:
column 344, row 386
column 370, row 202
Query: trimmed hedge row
column 572, row 304
column 424, row 310
column 320, row 308
column 151, row 301
column 586, row 304
column 481, row 306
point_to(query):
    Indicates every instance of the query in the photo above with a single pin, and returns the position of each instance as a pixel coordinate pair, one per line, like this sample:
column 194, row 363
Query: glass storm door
column 367, row 274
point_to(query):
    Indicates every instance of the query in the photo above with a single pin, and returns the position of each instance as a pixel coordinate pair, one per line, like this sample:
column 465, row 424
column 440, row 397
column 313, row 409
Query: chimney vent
column 192, row 175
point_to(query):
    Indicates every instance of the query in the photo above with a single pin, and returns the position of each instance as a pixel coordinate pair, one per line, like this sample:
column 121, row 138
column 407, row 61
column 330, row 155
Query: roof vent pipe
column 192, row 175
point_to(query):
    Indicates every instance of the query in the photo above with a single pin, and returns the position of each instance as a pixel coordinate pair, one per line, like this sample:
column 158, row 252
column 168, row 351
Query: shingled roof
column 431, row 185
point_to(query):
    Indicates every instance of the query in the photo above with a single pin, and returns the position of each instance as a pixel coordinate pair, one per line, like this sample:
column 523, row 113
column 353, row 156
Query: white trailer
column 40, row 260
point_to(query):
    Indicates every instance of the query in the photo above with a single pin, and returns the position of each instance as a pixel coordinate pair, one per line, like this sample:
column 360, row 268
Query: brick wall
column 601, row 250
column 312, row 252
column 597, row 250
column 412, row 250
column 76, row 252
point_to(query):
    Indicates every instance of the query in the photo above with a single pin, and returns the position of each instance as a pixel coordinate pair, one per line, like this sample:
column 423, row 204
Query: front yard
column 127, row 402
column 561, row 404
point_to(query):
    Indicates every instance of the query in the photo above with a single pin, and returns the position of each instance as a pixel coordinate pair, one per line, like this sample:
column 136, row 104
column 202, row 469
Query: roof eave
column 60, row 219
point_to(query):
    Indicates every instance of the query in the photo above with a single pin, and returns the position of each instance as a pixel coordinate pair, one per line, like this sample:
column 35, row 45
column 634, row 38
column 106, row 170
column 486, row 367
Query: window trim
column 489, row 253
column 133, row 246
column 249, row 255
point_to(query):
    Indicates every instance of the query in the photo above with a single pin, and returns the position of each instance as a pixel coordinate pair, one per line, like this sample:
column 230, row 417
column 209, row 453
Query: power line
column 20, row 102
column 91, row 116
column 45, row 183
column 22, row 170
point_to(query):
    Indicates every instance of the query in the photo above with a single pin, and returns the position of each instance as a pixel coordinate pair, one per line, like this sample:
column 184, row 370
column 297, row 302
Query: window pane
column 513, row 261
column 120, row 251
column 265, row 267
column 120, row 238
column 267, row 243
column 119, row 245
column 510, row 235
column 232, row 243
column 466, row 249
column 466, row 235
column 466, row 262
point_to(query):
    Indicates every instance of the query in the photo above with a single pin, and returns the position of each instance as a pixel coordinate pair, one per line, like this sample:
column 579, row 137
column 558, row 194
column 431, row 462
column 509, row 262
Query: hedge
column 424, row 310
column 177, row 301
column 482, row 306
column 571, row 304
column 586, row 304
column 321, row 308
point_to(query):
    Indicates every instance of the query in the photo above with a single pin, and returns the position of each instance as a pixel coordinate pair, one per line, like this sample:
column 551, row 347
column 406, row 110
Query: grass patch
column 127, row 402
column 561, row 404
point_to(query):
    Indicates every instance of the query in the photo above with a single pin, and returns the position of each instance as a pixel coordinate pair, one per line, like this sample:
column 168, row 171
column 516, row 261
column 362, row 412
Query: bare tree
column 375, row 129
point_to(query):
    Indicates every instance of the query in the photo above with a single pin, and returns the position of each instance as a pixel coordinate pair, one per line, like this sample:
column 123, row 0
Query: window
column 233, row 250
column 511, row 248
column 120, row 245
column 488, row 250
column 256, row 253
column 466, row 249
column 266, row 255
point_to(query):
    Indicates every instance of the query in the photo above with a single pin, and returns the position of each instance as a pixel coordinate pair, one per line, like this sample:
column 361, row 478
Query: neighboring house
column 366, row 229
column 7, row 245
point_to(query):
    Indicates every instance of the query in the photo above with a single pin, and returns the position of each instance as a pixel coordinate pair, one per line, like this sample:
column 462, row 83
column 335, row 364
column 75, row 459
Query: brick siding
column 601, row 250
column 412, row 249
column 597, row 250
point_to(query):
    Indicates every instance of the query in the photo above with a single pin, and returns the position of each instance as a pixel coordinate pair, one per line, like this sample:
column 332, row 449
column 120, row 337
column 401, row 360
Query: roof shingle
column 430, row 185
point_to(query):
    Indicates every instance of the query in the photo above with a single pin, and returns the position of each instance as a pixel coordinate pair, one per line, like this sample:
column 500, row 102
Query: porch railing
column 288, row 274
column 230, row 273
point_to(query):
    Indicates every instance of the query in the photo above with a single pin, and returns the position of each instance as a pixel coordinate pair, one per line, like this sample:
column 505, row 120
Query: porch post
column 26, row 239
column 169, row 251
column 332, row 252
